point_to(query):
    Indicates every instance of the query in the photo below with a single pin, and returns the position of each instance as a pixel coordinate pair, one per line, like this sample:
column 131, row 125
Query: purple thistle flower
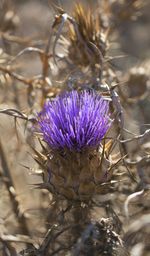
column 74, row 121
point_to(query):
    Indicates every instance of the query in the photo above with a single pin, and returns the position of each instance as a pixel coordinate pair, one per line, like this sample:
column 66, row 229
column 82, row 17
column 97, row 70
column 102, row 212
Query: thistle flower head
column 74, row 121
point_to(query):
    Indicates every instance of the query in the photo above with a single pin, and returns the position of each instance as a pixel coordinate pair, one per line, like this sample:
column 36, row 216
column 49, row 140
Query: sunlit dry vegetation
column 74, row 128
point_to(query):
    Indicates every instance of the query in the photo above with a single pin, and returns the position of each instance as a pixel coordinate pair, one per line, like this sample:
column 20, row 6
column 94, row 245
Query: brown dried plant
column 88, row 40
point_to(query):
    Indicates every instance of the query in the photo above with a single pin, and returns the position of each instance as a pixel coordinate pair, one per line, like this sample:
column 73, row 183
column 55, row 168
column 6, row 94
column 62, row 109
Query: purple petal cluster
column 74, row 120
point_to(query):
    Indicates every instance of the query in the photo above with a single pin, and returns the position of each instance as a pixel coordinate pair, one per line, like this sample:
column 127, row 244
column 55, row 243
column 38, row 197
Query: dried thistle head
column 124, row 10
column 8, row 18
column 138, row 82
column 73, row 126
column 88, row 41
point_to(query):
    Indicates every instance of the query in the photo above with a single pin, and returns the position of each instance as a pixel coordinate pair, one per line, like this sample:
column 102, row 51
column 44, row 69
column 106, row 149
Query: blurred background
column 26, row 24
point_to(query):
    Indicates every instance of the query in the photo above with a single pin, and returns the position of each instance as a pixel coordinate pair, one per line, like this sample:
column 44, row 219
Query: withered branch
column 11, row 190
column 17, row 114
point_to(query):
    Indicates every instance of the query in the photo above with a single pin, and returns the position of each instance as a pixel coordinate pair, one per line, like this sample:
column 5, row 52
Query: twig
column 120, row 126
column 17, row 238
column 26, row 50
column 11, row 249
column 137, row 137
column 129, row 198
column 11, row 189
column 143, row 161
column 15, row 39
column 64, row 18
column 51, row 238
column 24, row 80
column 17, row 114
